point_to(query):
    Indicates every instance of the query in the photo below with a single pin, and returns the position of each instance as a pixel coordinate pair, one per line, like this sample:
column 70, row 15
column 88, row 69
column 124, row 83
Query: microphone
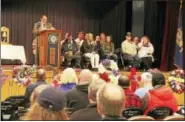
column 38, row 24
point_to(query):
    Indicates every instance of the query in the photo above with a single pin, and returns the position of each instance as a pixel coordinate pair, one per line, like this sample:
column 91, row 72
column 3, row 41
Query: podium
column 49, row 48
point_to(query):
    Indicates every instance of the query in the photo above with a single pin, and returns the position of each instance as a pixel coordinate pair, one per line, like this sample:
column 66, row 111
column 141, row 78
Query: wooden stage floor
column 10, row 88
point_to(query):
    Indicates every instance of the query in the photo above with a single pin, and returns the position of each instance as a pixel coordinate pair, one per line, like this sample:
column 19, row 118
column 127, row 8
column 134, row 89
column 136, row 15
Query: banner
column 179, row 43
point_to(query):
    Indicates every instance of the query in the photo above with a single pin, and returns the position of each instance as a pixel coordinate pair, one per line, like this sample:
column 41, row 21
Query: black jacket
column 31, row 88
column 88, row 48
column 77, row 98
column 89, row 113
column 69, row 46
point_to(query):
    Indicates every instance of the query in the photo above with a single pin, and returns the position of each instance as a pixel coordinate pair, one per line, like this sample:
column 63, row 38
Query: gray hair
column 111, row 99
column 94, row 85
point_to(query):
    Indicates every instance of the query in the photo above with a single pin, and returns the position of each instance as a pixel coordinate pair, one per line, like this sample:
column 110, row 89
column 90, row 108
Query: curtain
column 183, row 27
column 113, row 23
column 168, row 44
column 154, row 26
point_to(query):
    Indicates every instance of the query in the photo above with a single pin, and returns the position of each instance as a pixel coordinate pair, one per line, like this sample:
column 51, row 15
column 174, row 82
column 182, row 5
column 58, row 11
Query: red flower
column 55, row 83
column 105, row 77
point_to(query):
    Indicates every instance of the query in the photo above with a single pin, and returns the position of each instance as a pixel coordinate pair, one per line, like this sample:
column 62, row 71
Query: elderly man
column 77, row 98
column 40, row 80
column 132, row 100
column 90, row 112
column 146, row 78
column 111, row 102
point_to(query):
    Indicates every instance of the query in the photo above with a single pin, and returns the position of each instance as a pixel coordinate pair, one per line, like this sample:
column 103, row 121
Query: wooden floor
column 10, row 88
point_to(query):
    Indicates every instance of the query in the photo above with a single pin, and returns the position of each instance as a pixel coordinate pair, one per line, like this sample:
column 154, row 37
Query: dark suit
column 31, row 88
column 89, row 113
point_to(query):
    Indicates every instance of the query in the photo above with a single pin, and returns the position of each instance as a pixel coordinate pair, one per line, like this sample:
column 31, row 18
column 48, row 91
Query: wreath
column 108, row 71
column 176, row 81
column 4, row 77
column 22, row 75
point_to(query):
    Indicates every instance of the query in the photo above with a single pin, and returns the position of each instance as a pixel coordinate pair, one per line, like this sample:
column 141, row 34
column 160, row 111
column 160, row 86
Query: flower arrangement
column 176, row 81
column 22, row 74
column 108, row 71
column 4, row 77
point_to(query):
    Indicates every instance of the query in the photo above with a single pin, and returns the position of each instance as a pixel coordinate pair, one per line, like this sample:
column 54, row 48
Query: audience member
column 132, row 100
column 129, row 51
column 79, row 40
column 90, row 112
column 77, row 98
column 111, row 102
column 68, row 79
column 160, row 95
column 146, row 78
column 49, row 106
column 70, row 52
column 146, row 50
column 89, row 49
column 36, row 93
column 108, row 49
column 40, row 80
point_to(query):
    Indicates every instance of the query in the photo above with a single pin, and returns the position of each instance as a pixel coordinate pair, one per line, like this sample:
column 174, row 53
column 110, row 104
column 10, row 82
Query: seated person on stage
column 89, row 49
column 90, row 113
column 160, row 96
column 132, row 100
column 39, row 27
column 65, row 38
column 97, row 40
column 136, row 41
column 111, row 102
column 146, row 78
column 40, row 80
column 146, row 50
column 70, row 52
column 107, row 49
column 129, row 51
column 79, row 40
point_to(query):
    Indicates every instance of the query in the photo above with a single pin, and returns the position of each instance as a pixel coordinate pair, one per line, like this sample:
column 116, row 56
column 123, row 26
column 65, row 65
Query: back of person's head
column 158, row 79
column 85, row 77
column 41, row 74
column 110, row 100
column 94, row 85
column 49, row 106
column 124, row 81
column 36, row 93
column 68, row 76
column 146, row 78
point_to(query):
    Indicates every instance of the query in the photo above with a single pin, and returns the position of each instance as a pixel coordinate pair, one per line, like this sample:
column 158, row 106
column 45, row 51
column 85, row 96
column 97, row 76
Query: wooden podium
column 49, row 48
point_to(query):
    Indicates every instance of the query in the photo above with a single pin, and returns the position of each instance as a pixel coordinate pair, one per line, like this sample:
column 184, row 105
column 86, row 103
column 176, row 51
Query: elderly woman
column 146, row 51
column 68, row 79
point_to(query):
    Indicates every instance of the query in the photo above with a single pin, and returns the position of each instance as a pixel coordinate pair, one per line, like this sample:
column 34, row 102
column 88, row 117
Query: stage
column 10, row 88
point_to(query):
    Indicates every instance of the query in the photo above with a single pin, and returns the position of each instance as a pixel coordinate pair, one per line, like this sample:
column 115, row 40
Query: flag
column 179, row 43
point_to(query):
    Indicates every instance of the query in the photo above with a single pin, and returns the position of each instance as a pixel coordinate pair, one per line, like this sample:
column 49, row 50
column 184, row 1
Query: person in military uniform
column 37, row 29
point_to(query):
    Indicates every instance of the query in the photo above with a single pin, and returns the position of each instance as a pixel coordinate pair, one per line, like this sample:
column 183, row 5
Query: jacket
column 113, row 118
column 69, row 46
column 77, row 98
column 161, row 97
column 107, row 48
column 66, row 87
column 88, row 48
column 89, row 113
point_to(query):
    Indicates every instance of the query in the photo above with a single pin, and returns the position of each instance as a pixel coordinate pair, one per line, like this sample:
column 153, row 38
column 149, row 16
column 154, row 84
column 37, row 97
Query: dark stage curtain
column 155, row 12
column 168, row 45
column 113, row 23
column 183, row 27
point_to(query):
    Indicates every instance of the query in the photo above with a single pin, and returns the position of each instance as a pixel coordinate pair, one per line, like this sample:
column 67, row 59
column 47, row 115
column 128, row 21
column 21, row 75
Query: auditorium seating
column 160, row 113
column 175, row 118
column 130, row 112
column 141, row 118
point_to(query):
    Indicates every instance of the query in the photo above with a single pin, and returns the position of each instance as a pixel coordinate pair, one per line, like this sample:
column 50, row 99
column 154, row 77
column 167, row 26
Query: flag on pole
column 179, row 42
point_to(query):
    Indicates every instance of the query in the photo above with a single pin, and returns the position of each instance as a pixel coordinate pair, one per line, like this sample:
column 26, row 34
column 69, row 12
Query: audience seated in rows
column 90, row 112
column 111, row 102
column 160, row 95
column 40, row 80
column 77, row 98
column 50, row 105
column 132, row 100
column 146, row 78
column 68, row 79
